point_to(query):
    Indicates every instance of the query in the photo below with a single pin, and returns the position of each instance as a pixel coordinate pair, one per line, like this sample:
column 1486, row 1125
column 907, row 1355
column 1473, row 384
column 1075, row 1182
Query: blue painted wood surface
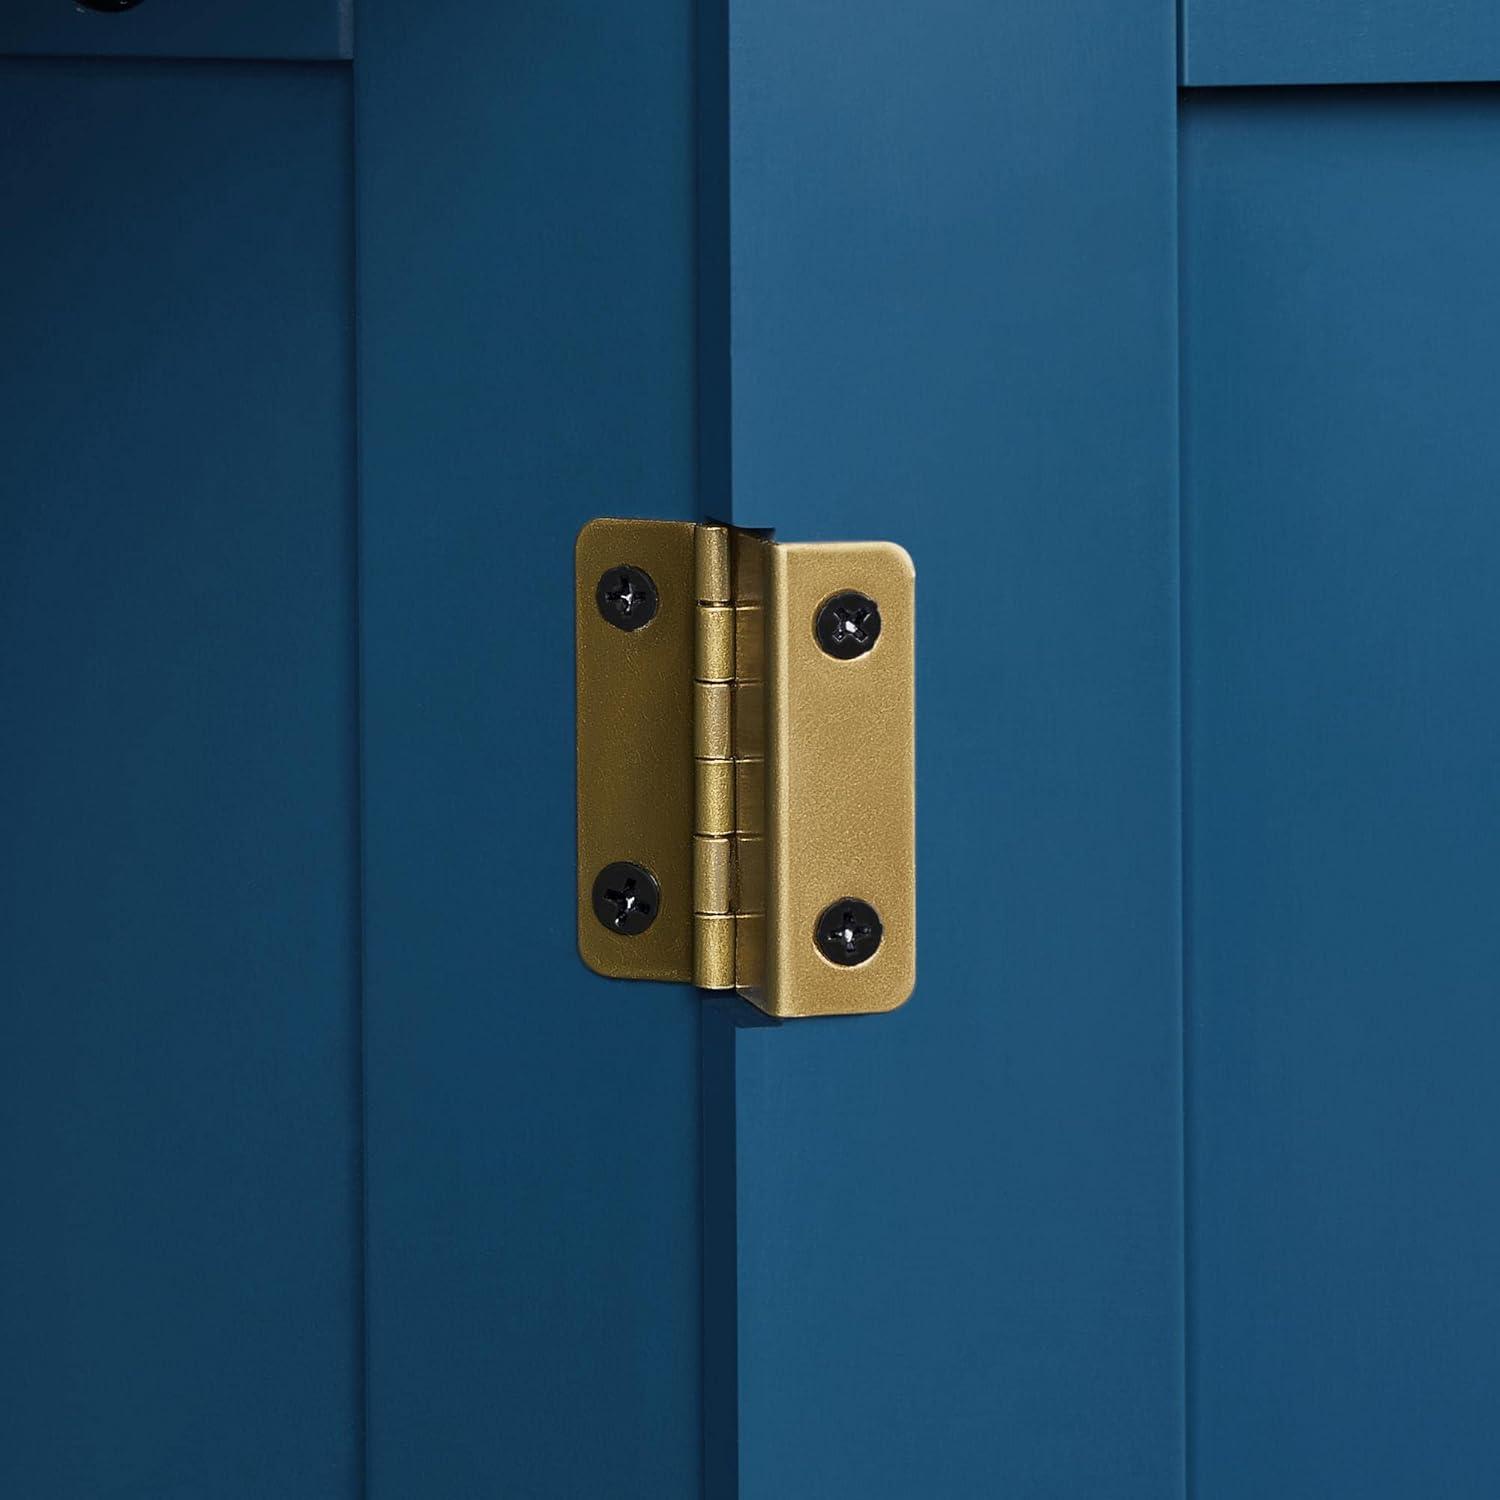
column 526, row 325
column 1343, row 647
column 1340, row 41
column 951, row 321
column 941, row 1251
column 289, row 29
column 179, row 1026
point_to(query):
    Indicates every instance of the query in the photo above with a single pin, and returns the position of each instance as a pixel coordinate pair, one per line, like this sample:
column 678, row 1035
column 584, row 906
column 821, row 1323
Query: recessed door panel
column 1341, row 450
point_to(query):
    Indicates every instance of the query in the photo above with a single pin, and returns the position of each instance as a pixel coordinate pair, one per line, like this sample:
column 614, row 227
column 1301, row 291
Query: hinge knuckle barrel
column 712, row 565
column 715, row 645
column 749, row 720
column 749, row 642
column 714, row 951
column 749, row 873
column 715, row 797
column 713, row 875
column 750, row 796
column 713, row 771
column 713, row 720
column 749, row 951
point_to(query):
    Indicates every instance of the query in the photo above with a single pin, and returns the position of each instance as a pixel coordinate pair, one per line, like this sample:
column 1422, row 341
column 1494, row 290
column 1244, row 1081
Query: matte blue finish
column 611, row 1240
column 295, row 29
column 526, row 212
column 1343, row 552
column 1340, row 41
column 951, row 271
column 179, row 1031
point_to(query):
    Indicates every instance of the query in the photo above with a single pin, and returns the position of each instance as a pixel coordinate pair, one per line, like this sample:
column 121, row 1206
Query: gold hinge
column 746, row 764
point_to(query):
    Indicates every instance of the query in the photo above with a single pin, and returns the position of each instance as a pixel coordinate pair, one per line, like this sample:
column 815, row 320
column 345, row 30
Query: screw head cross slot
column 847, row 625
column 627, row 597
column 626, row 898
column 849, row 932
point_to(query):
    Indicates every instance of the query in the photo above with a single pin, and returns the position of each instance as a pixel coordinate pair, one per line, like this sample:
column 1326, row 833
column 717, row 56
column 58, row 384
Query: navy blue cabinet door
column 326, row 1167
column 525, row 200
column 954, row 1232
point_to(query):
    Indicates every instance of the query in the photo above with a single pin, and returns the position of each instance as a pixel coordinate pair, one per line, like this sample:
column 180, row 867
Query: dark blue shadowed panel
column 179, row 1036
column 526, row 219
column 288, row 29
column 951, row 272
column 1342, row 489
column 1340, row 41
